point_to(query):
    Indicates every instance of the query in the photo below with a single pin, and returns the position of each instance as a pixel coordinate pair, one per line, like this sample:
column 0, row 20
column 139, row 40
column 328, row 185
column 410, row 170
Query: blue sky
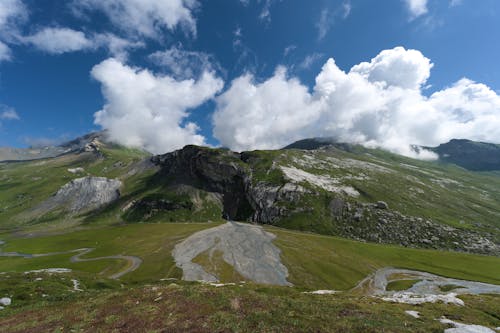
column 249, row 74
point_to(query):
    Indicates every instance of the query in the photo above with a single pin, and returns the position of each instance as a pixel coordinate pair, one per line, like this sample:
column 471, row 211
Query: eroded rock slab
column 248, row 248
column 84, row 194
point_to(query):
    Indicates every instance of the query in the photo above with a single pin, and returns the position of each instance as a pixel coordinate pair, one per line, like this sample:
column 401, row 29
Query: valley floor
column 130, row 282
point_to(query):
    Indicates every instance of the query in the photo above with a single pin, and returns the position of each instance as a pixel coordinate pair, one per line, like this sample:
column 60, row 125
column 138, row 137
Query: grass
column 313, row 261
column 200, row 308
column 323, row 262
column 153, row 243
column 400, row 285
column 449, row 287
column 214, row 264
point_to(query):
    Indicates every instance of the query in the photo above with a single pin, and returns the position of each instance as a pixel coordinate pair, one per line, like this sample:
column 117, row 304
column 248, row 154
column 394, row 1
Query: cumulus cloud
column 264, row 115
column 416, row 7
column 183, row 63
column 397, row 67
column 379, row 103
column 149, row 111
column 144, row 17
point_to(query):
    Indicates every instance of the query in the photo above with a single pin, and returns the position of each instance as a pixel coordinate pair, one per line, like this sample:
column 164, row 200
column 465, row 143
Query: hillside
column 330, row 218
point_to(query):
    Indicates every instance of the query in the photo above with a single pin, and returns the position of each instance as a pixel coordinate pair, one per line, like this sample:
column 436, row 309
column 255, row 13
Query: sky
column 250, row 74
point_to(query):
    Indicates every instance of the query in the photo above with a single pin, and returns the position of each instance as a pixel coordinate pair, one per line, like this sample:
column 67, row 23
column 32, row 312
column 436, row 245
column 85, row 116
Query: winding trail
column 132, row 262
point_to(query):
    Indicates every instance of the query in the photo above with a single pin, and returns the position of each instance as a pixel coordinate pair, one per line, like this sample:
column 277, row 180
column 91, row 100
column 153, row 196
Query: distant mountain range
column 470, row 155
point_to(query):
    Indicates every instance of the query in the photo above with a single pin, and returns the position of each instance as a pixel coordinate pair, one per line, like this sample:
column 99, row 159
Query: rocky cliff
column 255, row 187
column 83, row 195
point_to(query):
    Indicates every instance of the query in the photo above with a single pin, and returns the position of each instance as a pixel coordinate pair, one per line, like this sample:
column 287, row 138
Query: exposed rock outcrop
column 83, row 194
column 249, row 193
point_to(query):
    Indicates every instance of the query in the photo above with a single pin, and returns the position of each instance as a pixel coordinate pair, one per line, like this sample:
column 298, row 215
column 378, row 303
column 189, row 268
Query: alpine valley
column 317, row 236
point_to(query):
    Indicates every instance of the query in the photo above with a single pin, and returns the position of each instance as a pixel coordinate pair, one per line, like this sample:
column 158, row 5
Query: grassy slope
column 151, row 242
column 441, row 192
column 314, row 262
column 324, row 262
column 26, row 184
column 201, row 308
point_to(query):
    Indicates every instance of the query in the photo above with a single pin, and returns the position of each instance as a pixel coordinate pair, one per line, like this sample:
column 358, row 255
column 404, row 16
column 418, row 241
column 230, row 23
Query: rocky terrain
column 246, row 248
column 285, row 188
column 87, row 143
column 83, row 195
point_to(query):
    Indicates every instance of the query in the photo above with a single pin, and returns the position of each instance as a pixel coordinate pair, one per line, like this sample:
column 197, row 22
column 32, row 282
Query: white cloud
column 378, row 104
column 118, row 47
column 323, row 24
column 149, row 111
column 346, row 9
column 310, row 59
column 327, row 17
column 396, row 67
column 8, row 113
column 144, row 17
column 263, row 115
column 289, row 49
column 416, row 7
column 12, row 13
column 55, row 40
column 454, row 3
column 185, row 64
column 59, row 40
column 5, row 52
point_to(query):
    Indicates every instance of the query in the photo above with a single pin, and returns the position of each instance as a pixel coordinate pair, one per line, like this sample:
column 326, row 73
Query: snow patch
column 412, row 298
column 464, row 328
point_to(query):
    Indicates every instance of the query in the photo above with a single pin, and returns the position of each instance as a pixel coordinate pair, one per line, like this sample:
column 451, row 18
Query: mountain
column 273, row 234
column 471, row 155
column 86, row 142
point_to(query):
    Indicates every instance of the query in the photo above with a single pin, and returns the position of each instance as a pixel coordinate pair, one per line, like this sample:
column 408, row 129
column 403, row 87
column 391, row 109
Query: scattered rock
column 412, row 298
column 381, row 205
column 247, row 248
column 414, row 314
column 464, row 328
column 321, row 292
column 76, row 170
column 5, row 301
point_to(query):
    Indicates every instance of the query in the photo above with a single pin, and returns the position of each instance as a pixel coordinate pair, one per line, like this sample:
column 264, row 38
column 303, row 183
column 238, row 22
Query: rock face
column 85, row 194
column 250, row 193
column 230, row 174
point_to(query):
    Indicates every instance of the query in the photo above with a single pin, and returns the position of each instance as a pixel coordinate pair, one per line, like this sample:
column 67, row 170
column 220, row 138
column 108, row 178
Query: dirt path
column 247, row 248
column 132, row 262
